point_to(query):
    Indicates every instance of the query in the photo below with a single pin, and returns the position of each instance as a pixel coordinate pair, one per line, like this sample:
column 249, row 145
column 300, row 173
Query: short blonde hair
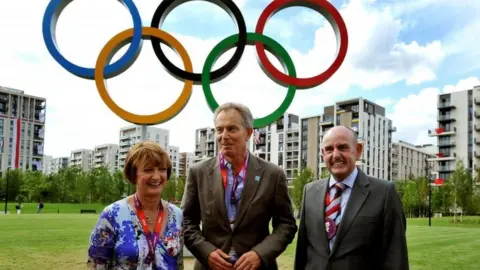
column 145, row 153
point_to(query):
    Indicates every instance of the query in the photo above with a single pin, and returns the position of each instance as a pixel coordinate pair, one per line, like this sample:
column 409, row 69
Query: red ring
column 340, row 30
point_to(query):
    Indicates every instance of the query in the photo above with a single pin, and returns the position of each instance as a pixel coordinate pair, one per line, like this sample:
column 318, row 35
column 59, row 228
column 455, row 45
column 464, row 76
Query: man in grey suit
column 235, row 196
column 350, row 221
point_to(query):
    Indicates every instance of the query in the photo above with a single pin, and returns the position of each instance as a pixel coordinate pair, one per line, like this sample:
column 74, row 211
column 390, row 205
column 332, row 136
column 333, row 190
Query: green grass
column 59, row 241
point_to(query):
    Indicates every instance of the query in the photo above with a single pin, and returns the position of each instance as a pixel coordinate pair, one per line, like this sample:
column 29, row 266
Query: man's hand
column 248, row 261
column 218, row 260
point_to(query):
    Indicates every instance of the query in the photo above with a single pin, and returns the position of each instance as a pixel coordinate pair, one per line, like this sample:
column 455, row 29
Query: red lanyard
column 152, row 238
column 223, row 169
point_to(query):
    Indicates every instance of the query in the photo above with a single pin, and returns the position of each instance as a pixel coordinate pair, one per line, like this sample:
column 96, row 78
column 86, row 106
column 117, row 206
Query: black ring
column 232, row 9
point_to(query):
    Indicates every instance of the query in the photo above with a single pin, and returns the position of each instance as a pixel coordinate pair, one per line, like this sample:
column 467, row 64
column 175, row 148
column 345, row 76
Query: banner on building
column 16, row 138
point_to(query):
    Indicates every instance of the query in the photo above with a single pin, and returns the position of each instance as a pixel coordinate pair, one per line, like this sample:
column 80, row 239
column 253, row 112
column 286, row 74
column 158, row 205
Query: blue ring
column 52, row 13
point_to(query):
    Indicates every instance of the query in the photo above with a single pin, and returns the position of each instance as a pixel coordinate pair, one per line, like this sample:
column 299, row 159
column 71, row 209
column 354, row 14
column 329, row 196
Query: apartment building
column 410, row 160
column 279, row 143
column 57, row 164
column 367, row 119
column 22, row 130
column 82, row 158
column 186, row 160
column 174, row 154
column 205, row 143
column 130, row 135
column 106, row 155
column 47, row 161
column 457, row 132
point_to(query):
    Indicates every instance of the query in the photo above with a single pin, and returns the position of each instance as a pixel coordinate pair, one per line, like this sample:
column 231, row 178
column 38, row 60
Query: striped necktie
column 333, row 205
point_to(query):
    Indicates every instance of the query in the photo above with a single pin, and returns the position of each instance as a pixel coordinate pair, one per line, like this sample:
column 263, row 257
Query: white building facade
column 410, row 161
column 82, row 158
column 106, row 155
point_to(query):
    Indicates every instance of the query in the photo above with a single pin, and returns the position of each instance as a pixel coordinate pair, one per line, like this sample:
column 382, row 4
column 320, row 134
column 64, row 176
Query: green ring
column 273, row 47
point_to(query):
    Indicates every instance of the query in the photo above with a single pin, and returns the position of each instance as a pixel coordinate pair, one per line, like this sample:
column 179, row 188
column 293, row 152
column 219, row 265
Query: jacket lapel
column 357, row 197
column 216, row 187
column 250, row 186
column 319, row 203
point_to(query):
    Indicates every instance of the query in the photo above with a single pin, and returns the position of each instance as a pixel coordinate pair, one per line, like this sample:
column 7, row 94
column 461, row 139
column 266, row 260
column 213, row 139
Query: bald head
column 343, row 131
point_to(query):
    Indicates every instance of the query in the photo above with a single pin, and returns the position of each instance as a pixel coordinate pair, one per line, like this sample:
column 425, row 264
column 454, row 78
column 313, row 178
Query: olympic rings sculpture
column 134, row 36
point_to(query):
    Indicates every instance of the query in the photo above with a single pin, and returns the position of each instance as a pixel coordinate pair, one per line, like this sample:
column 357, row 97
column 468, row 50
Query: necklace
column 149, row 220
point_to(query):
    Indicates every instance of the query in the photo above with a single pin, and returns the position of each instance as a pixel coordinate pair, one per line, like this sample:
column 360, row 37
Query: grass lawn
column 59, row 241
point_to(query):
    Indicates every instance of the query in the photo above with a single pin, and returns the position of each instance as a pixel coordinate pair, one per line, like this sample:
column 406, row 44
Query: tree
column 462, row 187
column 422, row 191
column 168, row 193
column 180, row 188
column 301, row 178
column 410, row 197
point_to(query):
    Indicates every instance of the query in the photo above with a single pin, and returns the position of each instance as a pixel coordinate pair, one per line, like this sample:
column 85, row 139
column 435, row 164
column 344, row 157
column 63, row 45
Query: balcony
column 292, row 139
column 446, row 143
column 392, row 129
column 444, row 156
column 476, row 101
column 446, row 118
column 442, row 132
column 447, row 168
column 326, row 121
column 477, row 114
column 445, row 105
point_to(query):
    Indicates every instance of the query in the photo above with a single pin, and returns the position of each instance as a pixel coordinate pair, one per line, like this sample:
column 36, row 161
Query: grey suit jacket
column 371, row 234
column 263, row 200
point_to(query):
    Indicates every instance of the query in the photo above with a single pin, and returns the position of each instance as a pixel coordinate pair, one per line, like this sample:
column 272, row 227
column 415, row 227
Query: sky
column 401, row 54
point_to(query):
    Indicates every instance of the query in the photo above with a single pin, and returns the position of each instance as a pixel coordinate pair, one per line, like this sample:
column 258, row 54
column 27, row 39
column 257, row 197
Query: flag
column 439, row 181
column 16, row 143
column 257, row 136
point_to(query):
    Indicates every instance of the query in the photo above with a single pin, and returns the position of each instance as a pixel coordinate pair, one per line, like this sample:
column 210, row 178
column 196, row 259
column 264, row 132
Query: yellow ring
column 150, row 119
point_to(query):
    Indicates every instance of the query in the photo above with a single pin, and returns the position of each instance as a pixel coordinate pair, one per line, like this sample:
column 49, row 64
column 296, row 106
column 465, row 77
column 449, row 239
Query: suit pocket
column 209, row 208
column 366, row 219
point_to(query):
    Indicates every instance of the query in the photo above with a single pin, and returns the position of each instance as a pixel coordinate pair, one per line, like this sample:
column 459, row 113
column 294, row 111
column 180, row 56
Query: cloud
column 414, row 114
column 385, row 101
column 77, row 117
column 377, row 51
column 462, row 85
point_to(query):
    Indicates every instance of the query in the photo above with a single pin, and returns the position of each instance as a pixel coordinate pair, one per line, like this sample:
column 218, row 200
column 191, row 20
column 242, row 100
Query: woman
column 140, row 231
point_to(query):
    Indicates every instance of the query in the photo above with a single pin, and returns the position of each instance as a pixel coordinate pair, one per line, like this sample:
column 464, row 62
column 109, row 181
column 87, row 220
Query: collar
column 243, row 170
column 349, row 181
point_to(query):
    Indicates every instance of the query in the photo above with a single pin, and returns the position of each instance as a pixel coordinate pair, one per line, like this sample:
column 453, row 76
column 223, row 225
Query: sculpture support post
column 143, row 134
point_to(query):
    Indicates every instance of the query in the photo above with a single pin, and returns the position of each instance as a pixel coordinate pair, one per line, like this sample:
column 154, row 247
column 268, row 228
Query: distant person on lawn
column 40, row 207
column 140, row 231
column 19, row 208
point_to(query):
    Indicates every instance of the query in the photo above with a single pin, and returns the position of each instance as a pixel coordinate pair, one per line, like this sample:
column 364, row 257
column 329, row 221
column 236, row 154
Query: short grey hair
column 240, row 108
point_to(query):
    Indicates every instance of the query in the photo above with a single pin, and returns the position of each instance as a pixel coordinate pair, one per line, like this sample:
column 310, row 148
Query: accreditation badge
column 330, row 228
